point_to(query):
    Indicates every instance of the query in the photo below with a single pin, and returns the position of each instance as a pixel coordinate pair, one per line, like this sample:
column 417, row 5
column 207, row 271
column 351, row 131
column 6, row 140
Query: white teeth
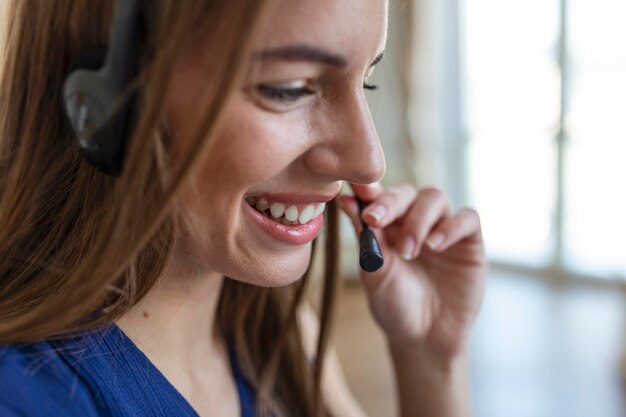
column 287, row 215
column 261, row 205
column 319, row 210
column 292, row 213
column 277, row 209
column 306, row 214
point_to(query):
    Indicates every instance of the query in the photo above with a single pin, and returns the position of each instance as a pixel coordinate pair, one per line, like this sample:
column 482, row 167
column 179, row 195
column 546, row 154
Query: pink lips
column 298, row 234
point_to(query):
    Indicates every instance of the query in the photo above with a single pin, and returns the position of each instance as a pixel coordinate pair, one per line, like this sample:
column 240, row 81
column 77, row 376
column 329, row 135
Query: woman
column 164, row 291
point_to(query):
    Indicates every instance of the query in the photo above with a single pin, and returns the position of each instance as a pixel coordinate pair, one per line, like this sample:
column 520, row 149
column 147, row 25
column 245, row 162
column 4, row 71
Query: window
column 545, row 115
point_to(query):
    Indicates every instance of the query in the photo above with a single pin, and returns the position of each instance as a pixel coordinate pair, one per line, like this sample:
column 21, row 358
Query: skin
column 425, row 305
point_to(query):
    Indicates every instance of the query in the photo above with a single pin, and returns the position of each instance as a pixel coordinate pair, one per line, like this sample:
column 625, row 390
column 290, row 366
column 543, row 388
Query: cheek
column 253, row 146
column 251, row 149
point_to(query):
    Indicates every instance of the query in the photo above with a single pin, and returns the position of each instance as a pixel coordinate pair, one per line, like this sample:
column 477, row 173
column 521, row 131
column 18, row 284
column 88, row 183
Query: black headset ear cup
column 90, row 59
column 88, row 96
column 100, row 114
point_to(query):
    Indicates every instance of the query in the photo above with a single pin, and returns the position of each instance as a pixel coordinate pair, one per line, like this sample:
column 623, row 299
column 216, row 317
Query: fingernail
column 435, row 240
column 408, row 246
column 377, row 211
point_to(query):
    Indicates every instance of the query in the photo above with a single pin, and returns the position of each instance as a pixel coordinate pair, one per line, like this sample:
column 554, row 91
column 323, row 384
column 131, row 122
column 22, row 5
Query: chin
column 279, row 272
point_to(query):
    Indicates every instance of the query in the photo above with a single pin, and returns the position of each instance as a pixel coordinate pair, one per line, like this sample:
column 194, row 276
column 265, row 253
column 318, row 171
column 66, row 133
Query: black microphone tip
column 370, row 256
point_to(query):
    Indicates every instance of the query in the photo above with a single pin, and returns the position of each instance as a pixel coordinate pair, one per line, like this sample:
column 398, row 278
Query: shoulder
column 35, row 381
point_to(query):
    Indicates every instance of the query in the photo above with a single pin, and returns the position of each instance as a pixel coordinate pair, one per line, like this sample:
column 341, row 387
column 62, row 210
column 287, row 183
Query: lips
column 289, row 217
column 297, row 234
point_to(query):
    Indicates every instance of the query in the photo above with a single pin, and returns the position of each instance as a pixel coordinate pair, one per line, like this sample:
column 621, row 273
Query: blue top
column 100, row 374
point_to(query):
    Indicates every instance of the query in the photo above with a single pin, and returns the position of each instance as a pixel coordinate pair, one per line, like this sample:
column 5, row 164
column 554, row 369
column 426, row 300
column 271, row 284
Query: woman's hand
column 430, row 288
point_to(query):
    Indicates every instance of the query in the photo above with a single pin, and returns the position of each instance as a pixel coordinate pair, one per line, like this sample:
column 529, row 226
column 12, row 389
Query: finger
column 430, row 208
column 350, row 207
column 463, row 225
column 391, row 205
column 367, row 192
column 386, row 237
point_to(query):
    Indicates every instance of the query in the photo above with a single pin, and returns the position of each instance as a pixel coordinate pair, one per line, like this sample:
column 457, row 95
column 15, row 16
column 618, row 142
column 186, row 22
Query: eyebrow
column 304, row 52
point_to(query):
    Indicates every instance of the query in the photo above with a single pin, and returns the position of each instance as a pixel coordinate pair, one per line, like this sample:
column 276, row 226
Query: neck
column 175, row 322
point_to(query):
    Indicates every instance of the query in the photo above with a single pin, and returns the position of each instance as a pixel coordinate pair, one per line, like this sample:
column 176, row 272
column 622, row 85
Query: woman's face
column 297, row 128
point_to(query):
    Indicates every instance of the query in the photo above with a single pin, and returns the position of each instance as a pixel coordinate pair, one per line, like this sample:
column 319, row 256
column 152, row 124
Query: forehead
column 355, row 28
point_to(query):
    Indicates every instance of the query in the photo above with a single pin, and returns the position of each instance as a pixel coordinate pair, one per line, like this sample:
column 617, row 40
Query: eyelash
column 293, row 94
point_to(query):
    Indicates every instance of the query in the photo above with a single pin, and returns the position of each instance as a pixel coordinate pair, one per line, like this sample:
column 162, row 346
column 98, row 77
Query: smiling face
column 297, row 128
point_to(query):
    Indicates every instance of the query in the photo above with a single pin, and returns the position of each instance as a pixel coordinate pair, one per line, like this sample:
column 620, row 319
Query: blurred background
column 518, row 109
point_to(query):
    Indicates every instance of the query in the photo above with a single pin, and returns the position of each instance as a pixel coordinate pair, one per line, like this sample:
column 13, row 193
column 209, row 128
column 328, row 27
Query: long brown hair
column 73, row 241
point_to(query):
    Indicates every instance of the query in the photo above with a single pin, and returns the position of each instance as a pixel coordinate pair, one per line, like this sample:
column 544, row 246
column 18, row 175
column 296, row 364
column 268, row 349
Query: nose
column 347, row 146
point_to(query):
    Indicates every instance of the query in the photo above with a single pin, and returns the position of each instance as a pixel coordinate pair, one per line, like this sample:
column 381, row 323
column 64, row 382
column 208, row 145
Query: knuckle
column 457, row 222
column 414, row 228
column 432, row 192
column 429, row 190
column 413, row 217
column 407, row 187
column 403, row 189
column 471, row 212
column 387, row 198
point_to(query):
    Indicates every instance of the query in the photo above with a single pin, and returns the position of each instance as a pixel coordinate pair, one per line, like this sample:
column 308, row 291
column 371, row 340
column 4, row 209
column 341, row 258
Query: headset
column 94, row 100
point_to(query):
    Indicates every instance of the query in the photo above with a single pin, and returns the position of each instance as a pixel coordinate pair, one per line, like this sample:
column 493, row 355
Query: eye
column 284, row 94
column 370, row 86
column 289, row 95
